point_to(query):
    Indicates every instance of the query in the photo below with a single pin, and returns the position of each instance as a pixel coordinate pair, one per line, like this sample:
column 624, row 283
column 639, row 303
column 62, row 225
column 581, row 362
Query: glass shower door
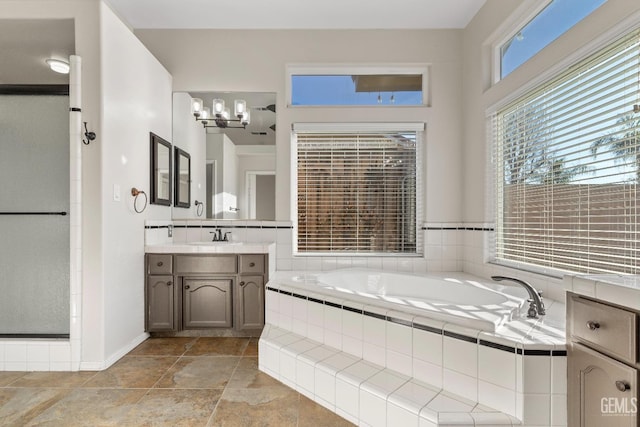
column 34, row 220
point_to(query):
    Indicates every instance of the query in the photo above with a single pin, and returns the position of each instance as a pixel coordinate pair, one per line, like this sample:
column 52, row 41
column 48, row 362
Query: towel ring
column 135, row 193
column 199, row 208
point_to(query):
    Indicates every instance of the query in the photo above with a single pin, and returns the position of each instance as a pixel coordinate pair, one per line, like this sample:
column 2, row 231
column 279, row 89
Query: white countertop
column 210, row 248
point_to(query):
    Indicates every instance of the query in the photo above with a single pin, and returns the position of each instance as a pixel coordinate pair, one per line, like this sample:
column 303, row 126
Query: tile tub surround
column 520, row 370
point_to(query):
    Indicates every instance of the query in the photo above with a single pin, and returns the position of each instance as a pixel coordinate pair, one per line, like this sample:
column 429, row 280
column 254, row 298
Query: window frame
column 418, row 127
column 496, row 171
column 352, row 69
column 521, row 17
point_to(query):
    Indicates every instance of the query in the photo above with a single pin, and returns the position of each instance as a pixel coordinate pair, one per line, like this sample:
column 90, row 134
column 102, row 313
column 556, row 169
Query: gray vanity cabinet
column 603, row 390
column 602, row 364
column 207, row 303
column 160, row 303
column 250, row 303
column 196, row 291
column 161, row 294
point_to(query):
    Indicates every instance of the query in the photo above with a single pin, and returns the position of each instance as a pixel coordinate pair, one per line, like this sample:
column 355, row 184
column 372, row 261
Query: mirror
column 160, row 170
column 233, row 169
column 182, row 178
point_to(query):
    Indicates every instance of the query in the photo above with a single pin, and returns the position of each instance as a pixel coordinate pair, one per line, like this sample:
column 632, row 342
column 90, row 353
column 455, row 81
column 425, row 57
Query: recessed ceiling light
column 58, row 66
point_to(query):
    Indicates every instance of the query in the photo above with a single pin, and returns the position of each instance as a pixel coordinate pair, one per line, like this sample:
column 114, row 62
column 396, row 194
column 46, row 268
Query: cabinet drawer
column 159, row 264
column 610, row 329
column 251, row 264
column 194, row 264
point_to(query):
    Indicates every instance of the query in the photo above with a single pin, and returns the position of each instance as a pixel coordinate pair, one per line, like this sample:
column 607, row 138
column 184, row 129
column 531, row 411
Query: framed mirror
column 160, row 170
column 182, row 179
column 227, row 163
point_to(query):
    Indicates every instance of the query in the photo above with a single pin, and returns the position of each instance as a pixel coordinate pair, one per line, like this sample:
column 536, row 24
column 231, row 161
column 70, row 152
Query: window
column 568, row 168
column 357, row 189
column 549, row 24
column 357, row 85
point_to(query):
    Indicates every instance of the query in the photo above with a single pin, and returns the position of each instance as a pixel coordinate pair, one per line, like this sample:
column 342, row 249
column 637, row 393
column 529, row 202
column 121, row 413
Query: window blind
column 356, row 191
column 567, row 162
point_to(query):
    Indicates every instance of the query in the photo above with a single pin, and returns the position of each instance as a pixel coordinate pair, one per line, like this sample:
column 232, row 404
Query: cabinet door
column 160, row 303
column 250, row 308
column 602, row 392
column 207, row 303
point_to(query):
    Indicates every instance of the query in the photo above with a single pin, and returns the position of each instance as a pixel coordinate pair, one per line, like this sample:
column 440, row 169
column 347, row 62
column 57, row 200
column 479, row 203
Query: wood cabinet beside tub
column 603, row 363
column 187, row 291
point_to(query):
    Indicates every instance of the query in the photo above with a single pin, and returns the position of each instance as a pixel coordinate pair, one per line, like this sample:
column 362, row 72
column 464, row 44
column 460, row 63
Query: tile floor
column 205, row 381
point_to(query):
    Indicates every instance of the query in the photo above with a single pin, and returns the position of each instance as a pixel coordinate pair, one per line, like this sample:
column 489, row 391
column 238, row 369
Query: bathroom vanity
column 205, row 287
column 603, row 363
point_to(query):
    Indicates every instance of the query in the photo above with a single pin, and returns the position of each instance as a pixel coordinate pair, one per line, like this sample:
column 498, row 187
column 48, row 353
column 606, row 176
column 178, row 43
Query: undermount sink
column 216, row 243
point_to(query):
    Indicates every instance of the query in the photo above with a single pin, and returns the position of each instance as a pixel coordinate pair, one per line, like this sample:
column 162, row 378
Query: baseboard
column 100, row 366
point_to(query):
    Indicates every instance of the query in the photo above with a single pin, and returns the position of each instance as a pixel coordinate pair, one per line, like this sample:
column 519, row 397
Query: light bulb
column 196, row 106
column 218, row 107
column 240, row 107
column 245, row 118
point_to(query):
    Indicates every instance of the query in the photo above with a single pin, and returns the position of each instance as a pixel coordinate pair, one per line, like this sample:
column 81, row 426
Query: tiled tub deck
column 375, row 365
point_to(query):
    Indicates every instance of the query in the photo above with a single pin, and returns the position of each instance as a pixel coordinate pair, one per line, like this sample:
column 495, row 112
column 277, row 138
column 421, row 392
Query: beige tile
column 90, row 407
column 7, row 378
column 310, row 414
column 199, row 372
column 18, row 406
column 163, row 346
column 53, row 379
column 166, row 407
column 218, row 346
column 247, row 375
column 132, row 372
column 271, row 406
column 252, row 348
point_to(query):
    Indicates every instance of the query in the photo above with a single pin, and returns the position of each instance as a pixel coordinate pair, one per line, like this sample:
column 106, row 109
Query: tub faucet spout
column 536, row 305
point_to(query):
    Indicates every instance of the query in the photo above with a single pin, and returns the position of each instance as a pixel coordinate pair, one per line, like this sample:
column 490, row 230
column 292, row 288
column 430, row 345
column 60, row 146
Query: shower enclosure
column 34, row 214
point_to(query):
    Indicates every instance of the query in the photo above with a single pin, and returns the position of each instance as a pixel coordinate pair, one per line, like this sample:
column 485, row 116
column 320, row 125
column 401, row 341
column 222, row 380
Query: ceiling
column 297, row 14
column 26, row 43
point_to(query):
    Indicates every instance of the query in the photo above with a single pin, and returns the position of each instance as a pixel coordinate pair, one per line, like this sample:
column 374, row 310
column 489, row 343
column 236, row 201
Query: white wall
column 190, row 136
column 260, row 66
column 136, row 100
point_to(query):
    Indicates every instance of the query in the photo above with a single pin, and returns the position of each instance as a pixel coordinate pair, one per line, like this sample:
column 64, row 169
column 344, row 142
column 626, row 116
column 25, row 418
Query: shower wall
column 34, row 248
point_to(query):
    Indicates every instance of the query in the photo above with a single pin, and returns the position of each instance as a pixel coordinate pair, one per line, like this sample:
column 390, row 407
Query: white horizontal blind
column 356, row 192
column 568, row 167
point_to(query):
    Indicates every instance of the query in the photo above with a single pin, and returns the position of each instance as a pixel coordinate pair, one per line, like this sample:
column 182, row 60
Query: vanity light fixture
column 58, row 65
column 220, row 116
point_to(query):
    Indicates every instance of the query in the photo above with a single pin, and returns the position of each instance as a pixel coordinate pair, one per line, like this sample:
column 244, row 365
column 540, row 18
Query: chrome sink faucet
column 217, row 235
column 536, row 305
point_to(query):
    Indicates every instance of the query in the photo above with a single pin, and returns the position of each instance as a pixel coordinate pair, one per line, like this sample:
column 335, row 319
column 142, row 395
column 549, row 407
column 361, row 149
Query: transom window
column 568, row 168
column 357, row 86
column 357, row 189
column 551, row 22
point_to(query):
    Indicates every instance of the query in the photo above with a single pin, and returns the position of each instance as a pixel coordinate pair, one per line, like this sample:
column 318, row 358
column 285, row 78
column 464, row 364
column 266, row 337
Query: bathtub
column 454, row 298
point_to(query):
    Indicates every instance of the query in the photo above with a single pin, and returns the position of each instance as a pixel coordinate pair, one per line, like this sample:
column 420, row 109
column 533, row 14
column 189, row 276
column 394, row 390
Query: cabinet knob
column 242, row 283
column 252, row 264
column 160, row 264
column 187, row 286
column 622, row 386
column 593, row 325
column 169, row 283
